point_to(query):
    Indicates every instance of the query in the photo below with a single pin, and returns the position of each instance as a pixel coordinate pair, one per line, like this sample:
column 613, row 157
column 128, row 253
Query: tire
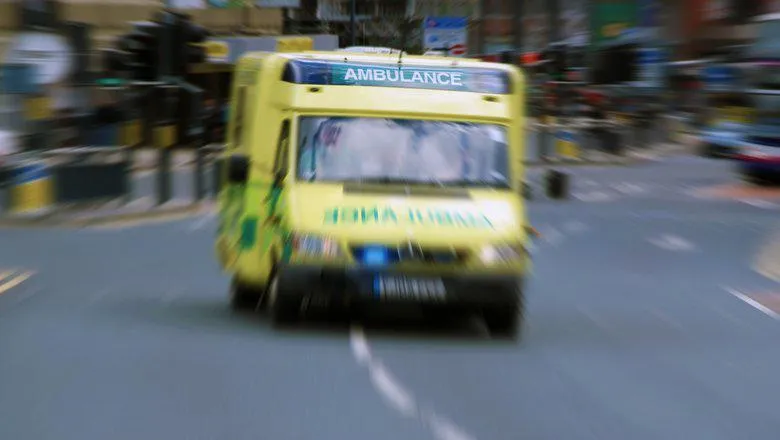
column 285, row 309
column 243, row 297
column 506, row 321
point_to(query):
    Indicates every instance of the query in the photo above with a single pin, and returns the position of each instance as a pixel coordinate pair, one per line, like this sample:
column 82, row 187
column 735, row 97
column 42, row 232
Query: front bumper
column 387, row 286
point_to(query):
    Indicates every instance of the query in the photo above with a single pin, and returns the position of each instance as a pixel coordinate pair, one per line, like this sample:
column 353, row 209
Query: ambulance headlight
column 307, row 245
column 497, row 254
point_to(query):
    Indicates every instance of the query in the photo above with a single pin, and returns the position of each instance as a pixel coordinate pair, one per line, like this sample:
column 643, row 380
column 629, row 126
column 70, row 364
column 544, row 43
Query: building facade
column 110, row 18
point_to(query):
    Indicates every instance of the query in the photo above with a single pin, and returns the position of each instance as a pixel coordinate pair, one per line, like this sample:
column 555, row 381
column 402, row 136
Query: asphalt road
column 637, row 329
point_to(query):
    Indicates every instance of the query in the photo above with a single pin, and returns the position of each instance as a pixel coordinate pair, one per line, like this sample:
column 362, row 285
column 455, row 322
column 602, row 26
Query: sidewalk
column 140, row 203
column 108, row 213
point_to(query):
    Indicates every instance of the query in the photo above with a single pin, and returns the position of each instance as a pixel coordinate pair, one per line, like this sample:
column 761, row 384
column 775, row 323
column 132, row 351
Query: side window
column 281, row 164
column 238, row 117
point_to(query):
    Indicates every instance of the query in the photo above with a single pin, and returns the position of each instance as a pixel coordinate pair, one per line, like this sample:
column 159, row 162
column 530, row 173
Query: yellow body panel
column 257, row 221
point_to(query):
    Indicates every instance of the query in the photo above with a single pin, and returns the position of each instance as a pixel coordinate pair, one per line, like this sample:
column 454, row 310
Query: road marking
column 629, row 188
column 202, row 222
column 753, row 303
column 397, row 396
column 552, row 236
column 13, row 282
column 758, row 203
column 575, row 227
column 673, row 243
column 594, row 196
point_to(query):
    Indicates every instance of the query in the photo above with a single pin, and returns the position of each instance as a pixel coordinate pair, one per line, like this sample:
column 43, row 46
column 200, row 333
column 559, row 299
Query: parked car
column 722, row 139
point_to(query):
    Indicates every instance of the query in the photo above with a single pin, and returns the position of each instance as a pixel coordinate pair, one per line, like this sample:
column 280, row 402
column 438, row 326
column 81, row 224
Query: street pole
column 352, row 31
column 517, row 25
column 554, row 20
column 482, row 24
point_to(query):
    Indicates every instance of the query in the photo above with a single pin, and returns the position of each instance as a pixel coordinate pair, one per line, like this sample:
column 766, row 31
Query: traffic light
column 556, row 62
column 115, row 63
column 142, row 47
column 188, row 38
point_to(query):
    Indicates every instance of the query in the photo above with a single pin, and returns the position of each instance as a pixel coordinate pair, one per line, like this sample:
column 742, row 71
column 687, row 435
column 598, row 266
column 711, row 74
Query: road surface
column 646, row 320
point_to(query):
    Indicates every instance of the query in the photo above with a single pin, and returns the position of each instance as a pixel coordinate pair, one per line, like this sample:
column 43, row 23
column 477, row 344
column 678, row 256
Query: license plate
column 406, row 288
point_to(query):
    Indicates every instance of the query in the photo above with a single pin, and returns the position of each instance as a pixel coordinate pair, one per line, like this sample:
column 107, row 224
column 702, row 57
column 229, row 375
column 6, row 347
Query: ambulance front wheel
column 285, row 309
column 243, row 297
column 505, row 321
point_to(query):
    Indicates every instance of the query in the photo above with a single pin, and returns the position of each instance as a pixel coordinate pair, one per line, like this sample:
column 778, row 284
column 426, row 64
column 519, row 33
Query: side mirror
column 238, row 169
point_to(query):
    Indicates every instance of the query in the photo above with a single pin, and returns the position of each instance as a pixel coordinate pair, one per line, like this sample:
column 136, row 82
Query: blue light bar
column 463, row 79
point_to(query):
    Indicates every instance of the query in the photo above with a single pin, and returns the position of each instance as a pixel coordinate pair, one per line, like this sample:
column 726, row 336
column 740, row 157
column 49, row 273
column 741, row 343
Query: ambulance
column 362, row 179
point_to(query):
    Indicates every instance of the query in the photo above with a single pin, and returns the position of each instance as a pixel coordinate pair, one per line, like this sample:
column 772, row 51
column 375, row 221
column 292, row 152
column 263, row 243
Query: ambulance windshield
column 339, row 149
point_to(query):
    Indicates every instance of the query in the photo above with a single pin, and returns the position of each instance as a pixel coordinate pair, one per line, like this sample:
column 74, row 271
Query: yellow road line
column 15, row 281
column 6, row 274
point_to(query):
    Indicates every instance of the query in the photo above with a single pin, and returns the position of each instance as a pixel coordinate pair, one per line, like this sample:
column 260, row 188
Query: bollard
column 31, row 188
column 216, row 175
column 5, row 183
column 557, row 185
column 164, row 139
column 164, row 176
column 200, row 187
column 545, row 138
column 566, row 144
column 129, row 160
column 130, row 133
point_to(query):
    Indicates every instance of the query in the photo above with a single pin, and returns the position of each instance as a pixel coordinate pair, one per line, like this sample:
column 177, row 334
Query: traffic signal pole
column 352, row 25
column 155, row 56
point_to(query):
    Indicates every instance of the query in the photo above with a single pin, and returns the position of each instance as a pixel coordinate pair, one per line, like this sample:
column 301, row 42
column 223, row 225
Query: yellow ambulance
column 355, row 179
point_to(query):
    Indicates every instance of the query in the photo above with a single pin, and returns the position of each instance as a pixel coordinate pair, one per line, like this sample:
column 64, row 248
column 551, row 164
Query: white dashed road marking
column 673, row 243
column 594, row 196
column 11, row 279
column 758, row 203
column 397, row 396
column 575, row 227
column 552, row 236
column 629, row 188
